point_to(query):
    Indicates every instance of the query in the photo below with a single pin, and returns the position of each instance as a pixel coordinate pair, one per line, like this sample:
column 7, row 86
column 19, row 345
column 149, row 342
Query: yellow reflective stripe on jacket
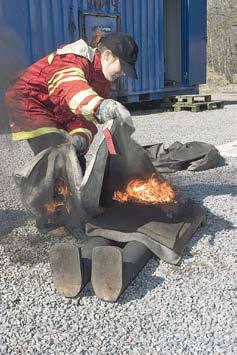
column 87, row 115
column 50, row 58
column 36, row 133
column 75, row 73
column 92, row 104
column 75, row 70
column 64, row 77
column 79, row 97
column 52, row 88
column 86, row 110
column 86, row 131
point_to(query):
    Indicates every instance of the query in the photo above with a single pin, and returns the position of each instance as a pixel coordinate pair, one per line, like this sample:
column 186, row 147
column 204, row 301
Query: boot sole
column 65, row 261
column 107, row 272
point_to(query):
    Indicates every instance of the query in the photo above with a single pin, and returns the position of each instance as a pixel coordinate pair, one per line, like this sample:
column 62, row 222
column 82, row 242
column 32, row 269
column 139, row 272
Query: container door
column 93, row 22
column 197, row 37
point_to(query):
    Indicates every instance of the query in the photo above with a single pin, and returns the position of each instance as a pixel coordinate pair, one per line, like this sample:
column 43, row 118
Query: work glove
column 79, row 143
column 110, row 109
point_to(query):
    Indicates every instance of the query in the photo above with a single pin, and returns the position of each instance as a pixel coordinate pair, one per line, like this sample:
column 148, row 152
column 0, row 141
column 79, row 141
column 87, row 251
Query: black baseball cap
column 125, row 48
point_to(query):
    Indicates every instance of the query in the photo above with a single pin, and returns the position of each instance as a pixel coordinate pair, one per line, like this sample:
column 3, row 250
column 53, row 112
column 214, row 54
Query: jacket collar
column 79, row 48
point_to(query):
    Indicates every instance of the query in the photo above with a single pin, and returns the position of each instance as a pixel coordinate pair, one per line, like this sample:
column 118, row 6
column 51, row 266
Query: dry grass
column 217, row 83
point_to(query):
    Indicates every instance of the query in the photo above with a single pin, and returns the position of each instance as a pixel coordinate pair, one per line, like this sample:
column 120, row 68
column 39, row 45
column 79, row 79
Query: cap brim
column 128, row 69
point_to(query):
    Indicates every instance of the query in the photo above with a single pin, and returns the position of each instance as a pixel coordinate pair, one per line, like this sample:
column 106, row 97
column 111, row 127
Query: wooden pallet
column 190, row 99
column 198, row 106
column 187, row 98
column 193, row 103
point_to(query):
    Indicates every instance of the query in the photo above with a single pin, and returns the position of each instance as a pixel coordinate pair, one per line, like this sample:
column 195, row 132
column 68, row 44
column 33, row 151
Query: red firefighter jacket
column 60, row 91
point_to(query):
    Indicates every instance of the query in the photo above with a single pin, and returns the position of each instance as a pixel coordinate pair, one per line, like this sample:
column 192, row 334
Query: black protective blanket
column 54, row 190
column 50, row 187
column 192, row 156
column 166, row 235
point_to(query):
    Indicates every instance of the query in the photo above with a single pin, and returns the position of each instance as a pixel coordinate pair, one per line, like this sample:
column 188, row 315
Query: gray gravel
column 167, row 310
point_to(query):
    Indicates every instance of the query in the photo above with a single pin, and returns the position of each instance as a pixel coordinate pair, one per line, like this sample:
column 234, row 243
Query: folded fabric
column 194, row 156
column 166, row 235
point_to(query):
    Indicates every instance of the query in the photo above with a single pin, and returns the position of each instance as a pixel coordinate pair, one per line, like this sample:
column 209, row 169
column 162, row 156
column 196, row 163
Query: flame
column 60, row 188
column 149, row 192
column 51, row 207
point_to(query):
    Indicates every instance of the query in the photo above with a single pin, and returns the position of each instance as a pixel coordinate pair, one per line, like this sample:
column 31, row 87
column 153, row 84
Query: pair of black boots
column 110, row 267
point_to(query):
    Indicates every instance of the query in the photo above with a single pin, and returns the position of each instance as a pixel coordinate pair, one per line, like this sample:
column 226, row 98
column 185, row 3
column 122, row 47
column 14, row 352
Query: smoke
column 12, row 59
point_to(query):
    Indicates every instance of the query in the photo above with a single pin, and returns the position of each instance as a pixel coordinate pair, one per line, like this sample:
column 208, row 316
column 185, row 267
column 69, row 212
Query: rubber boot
column 71, row 265
column 114, row 268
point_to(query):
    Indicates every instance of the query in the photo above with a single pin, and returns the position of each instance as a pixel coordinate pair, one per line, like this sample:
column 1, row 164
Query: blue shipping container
column 171, row 35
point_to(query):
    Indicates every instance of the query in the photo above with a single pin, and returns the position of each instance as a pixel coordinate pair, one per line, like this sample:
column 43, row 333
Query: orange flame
column 149, row 192
column 60, row 188
column 51, row 207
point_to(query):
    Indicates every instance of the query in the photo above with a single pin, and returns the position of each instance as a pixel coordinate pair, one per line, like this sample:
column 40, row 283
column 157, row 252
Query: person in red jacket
column 69, row 90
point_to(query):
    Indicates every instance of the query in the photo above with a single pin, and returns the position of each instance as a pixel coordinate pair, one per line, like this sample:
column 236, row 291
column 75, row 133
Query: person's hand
column 111, row 109
column 80, row 143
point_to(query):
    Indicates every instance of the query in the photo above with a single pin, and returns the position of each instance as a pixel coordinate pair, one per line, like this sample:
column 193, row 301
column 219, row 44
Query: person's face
column 111, row 67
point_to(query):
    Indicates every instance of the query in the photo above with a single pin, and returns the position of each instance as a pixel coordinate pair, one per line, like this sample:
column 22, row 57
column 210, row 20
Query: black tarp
column 193, row 156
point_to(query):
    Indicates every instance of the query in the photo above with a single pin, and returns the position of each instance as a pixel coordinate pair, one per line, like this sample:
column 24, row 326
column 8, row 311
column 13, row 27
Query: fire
column 62, row 192
column 51, row 207
column 61, row 188
column 149, row 192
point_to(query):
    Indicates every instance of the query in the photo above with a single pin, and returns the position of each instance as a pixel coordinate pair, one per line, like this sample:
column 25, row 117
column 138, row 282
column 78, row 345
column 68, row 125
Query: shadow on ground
column 11, row 219
column 143, row 283
column 230, row 102
column 214, row 223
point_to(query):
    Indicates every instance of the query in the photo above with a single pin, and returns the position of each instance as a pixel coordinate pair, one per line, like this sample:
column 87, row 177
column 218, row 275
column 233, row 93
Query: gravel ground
column 167, row 310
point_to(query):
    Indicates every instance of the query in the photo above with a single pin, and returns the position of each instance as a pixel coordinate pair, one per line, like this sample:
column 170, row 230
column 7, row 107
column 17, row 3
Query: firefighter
column 69, row 90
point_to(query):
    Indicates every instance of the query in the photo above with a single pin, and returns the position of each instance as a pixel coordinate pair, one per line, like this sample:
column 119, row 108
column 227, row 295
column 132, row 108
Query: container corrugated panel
column 143, row 20
column 37, row 27
column 30, row 29
column 42, row 25
column 197, row 31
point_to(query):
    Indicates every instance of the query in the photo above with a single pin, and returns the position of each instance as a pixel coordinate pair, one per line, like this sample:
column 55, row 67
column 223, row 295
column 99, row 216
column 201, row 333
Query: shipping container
column 171, row 35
